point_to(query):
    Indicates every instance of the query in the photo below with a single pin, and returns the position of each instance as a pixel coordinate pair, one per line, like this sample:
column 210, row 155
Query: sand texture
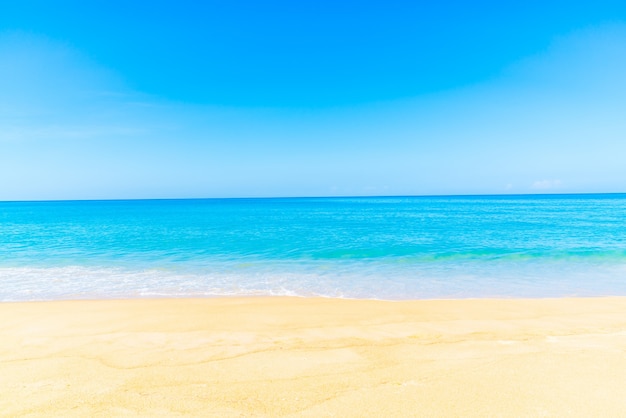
column 284, row 357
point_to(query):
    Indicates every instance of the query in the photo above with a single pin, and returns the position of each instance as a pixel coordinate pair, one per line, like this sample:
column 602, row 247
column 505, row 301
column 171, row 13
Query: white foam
column 272, row 279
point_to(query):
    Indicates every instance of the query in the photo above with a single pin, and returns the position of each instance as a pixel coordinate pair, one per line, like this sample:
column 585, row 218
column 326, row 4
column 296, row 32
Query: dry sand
column 280, row 357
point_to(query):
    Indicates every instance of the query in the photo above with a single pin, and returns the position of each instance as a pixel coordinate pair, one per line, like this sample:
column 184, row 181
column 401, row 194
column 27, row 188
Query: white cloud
column 546, row 184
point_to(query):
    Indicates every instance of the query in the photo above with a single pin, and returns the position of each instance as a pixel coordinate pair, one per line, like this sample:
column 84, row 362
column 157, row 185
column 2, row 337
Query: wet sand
column 282, row 357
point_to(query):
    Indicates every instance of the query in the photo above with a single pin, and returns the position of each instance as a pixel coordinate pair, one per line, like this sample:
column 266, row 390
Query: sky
column 187, row 99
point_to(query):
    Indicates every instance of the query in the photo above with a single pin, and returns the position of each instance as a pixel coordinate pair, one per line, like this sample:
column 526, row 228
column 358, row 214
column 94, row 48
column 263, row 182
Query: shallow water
column 383, row 248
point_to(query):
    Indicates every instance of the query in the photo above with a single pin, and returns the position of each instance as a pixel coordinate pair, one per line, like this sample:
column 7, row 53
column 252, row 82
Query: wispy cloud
column 70, row 132
column 546, row 184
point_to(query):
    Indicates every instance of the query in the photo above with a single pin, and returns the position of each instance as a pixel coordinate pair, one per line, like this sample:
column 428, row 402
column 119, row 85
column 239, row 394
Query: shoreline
column 318, row 297
column 302, row 356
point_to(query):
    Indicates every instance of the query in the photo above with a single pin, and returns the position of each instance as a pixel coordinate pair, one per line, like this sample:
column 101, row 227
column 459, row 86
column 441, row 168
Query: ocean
column 390, row 248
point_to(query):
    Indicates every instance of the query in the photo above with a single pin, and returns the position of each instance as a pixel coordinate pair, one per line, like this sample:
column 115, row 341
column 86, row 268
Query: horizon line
column 315, row 197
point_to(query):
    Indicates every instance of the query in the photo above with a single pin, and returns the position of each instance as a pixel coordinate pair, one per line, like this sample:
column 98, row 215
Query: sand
column 284, row 357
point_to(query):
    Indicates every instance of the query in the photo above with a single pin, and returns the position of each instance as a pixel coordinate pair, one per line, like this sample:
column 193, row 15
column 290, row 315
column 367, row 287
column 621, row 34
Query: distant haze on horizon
column 243, row 99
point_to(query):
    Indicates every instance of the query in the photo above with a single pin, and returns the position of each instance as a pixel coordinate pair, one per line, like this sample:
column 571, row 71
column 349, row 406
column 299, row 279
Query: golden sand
column 283, row 357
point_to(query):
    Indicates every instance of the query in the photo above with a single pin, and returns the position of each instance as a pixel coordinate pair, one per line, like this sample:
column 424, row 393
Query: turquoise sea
column 379, row 248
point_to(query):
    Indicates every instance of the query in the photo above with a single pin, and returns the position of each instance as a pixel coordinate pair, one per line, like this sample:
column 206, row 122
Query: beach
column 313, row 357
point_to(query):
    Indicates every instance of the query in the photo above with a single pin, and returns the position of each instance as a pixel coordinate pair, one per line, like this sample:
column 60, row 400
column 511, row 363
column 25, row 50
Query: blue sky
column 234, row 98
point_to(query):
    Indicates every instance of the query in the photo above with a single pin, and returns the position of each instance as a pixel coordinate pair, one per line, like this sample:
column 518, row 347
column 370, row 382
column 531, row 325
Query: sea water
column 380, row 248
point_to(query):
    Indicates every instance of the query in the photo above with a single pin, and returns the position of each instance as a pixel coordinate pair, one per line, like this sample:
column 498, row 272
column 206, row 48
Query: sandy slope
column 314, row 357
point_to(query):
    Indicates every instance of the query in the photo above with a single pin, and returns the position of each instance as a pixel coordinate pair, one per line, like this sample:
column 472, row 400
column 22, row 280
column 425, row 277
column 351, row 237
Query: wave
column 487, row 255
column 451, row 278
